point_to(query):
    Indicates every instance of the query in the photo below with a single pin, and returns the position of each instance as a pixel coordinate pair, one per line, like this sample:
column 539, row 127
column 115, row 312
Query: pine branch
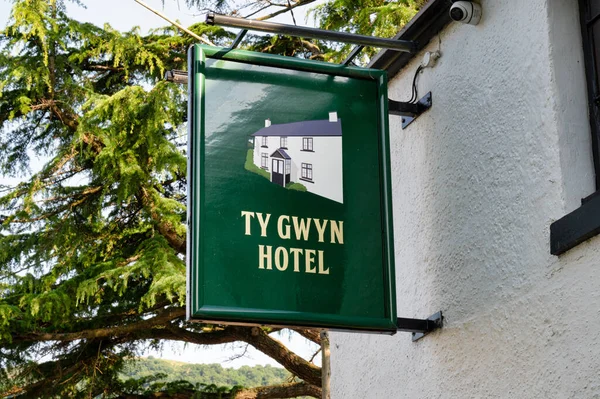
column 145, row 326
column 102, row 68
column 79, row 198
column 172, row 333
column 54, row 375
column 257, row 11
column 276, row 13
column 166, row 229
column 67, row 118
column 159, row 327
column 268, row 345
column 312, row 358
column 310, row 334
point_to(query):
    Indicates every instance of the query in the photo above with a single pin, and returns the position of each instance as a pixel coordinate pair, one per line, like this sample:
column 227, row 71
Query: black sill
column 283, row 148
column 590, row 197
column 306, row 180
column 264, row 146
column 576, row 227
column 308, row 150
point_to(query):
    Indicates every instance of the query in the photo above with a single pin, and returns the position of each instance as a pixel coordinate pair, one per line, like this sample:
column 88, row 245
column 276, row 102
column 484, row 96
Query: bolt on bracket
column 420, row 327
column 409, row 111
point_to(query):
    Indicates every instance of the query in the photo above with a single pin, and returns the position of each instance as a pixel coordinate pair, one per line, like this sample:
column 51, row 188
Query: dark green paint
column 231, row 94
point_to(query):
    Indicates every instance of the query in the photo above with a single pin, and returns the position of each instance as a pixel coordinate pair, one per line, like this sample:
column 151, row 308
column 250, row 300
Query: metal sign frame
column 199, row 311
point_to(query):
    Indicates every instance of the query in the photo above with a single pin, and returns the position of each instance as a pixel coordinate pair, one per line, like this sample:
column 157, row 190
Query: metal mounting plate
column 424, row 104
column 438, row 320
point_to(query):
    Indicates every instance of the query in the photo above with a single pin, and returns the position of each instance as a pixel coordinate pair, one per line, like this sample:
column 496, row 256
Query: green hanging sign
column 289, row 196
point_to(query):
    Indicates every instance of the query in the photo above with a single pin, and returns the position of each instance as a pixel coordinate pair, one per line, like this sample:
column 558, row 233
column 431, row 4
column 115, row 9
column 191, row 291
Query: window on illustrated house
column 264, row 161
column 307, row 171
column 283, row 142
column 288, row 167
column 264, row 141
column 307, row 144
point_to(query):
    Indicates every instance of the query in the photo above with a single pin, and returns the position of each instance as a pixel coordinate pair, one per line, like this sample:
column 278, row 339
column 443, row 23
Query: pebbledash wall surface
column 477, row 181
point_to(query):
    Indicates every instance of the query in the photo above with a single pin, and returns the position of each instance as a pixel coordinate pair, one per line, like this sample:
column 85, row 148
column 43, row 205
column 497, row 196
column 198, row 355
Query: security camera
column 466, row 12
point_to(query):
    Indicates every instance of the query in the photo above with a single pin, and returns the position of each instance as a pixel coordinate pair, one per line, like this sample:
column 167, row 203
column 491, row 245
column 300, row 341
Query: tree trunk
column 325, row 367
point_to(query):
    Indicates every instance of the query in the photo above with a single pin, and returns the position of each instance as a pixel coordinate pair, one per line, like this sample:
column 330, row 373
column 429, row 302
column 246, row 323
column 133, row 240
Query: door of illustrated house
column 281, row 167
column 277, row 171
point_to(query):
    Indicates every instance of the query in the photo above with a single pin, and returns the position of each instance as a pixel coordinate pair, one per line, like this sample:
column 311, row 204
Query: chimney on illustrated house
column 267, row 122
column 333, row 117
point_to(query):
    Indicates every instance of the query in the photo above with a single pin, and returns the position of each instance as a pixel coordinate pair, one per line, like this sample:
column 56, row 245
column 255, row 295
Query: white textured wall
column 327, row 165
column 477, row 181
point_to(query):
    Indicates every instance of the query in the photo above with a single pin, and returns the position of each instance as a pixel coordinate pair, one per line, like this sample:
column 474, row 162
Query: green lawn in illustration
column 251, row 167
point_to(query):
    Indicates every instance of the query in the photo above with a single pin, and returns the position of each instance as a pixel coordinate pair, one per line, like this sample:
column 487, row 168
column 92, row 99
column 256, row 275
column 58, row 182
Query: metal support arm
column 313, row 33
column 176, row 76
column 409, row 111
column 420, row 327
column 404, row 109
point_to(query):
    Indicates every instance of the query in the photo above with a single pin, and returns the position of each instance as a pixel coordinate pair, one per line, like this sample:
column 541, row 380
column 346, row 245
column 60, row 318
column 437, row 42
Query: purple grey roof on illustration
column 280, row 153
column 304, row 128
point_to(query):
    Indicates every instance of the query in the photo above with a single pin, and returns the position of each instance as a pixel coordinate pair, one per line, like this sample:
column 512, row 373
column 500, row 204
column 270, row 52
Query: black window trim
column 584, row 222
column 264, row 165
column 308, row 148
column 308, row 167
column 591, row 75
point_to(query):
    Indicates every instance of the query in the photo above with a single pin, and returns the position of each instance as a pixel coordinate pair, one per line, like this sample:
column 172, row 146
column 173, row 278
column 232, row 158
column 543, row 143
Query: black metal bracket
column 410, row 111
column 238, row 39
column 176, row 76
column 420, row 327
column 353, row 54
column 314, row 33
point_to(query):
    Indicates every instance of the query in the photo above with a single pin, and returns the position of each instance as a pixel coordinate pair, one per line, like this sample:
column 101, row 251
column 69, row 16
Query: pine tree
column 380, row 18
column 92, row 244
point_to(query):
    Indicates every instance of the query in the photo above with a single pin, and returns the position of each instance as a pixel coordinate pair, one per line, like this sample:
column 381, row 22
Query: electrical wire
column 414, row 97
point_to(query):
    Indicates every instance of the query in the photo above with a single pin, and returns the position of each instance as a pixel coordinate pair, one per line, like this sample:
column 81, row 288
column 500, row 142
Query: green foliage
column 204, row 374
column 150, row 385
column 88, row 242
column 251, row 167
column 380, row 18
column 295, row 186
column 92, row 242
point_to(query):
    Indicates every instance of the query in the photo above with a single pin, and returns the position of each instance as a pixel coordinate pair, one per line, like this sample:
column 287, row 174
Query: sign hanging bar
column 313, row 33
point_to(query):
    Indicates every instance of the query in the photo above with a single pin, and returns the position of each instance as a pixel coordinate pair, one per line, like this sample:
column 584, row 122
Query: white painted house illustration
column 307, row 152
